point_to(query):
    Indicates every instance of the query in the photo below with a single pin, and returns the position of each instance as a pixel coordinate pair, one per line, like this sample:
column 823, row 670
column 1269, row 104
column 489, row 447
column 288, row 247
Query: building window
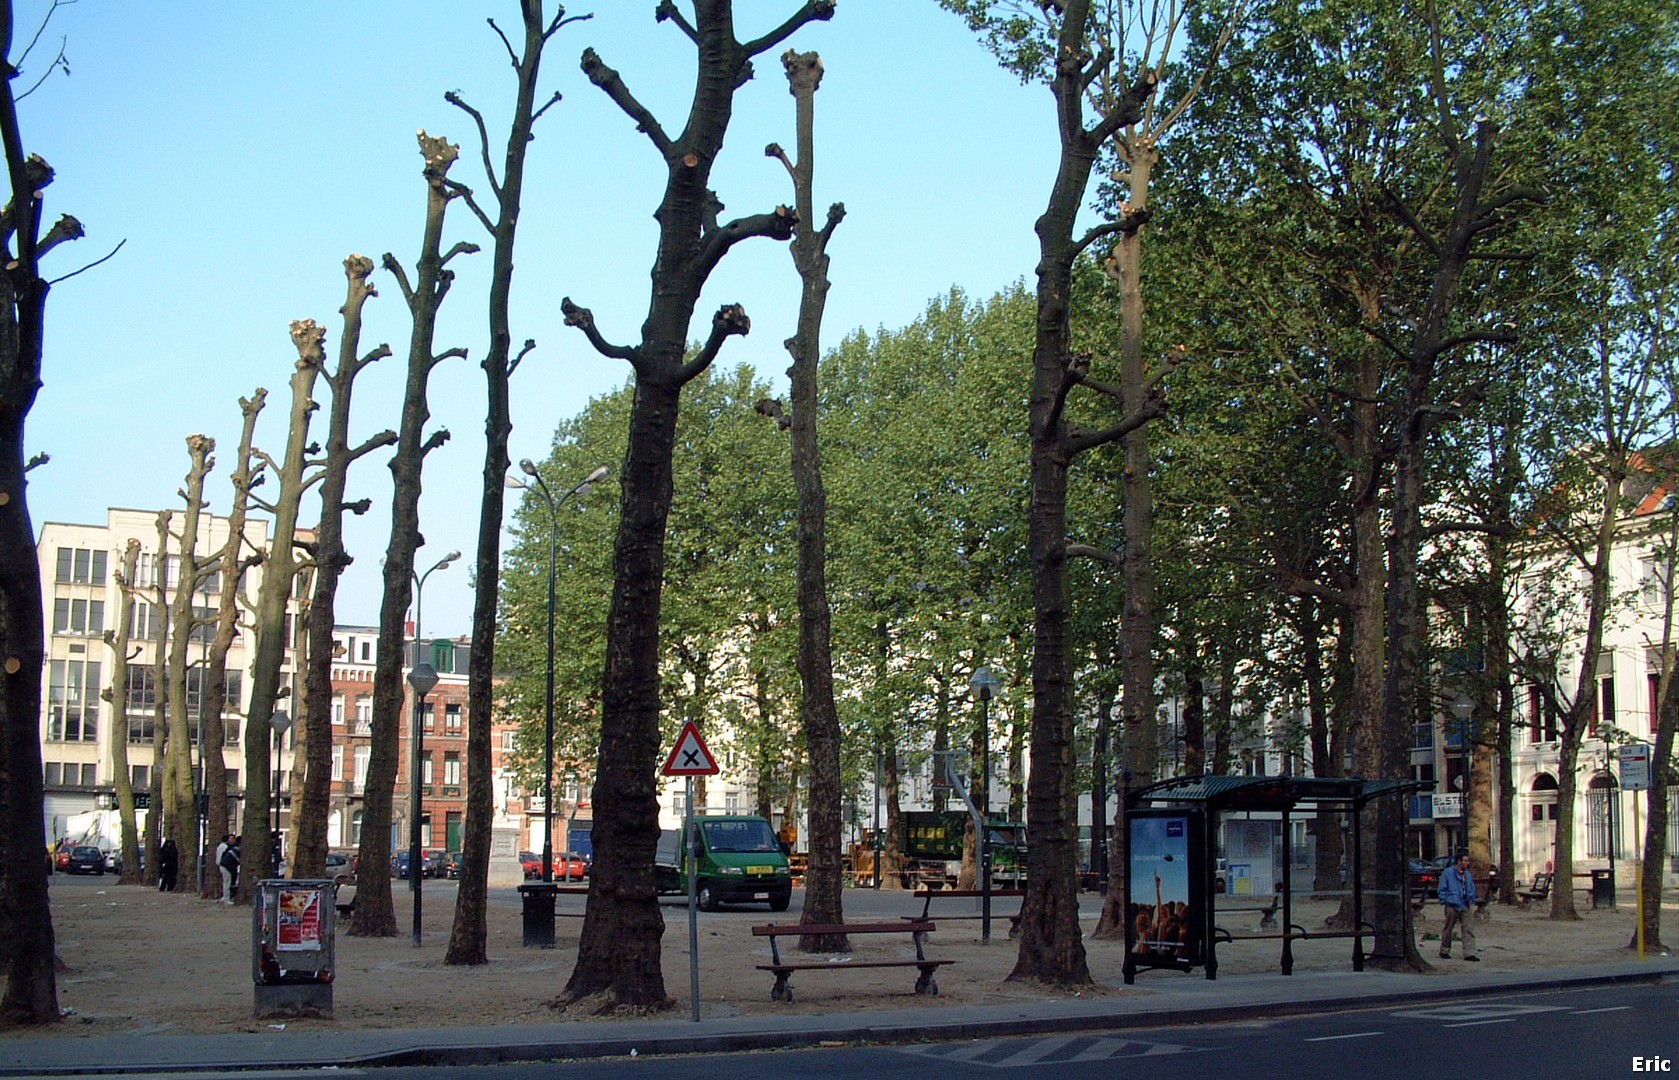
column 81, row 566
column 1541, row 717
column 364, row 716
column 338, row 763
column 366, row 651
column 452, row 718
column 1655, row 700
column 509, row 740
column 451, row 769
column 140, row 777
column 1652, row 578
column 1602, row 837
column 338, row 710
column 73, row 700
column 1422, row 735
column 82, row 618
column 71, row 774
column 425, row 769
column 359, row 780
column 1603, row 708
column 355, row 829
column 424, row 709
column 443, row 657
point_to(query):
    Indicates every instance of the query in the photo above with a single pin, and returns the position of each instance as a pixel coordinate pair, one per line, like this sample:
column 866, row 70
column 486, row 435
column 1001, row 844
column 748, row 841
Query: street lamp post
column 985, row 684
column 419, row 737
column 280, row 723
column 422, row 677
column 537, row 484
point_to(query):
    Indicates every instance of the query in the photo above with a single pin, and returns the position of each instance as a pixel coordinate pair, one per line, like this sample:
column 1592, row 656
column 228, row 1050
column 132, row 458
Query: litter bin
column 292, row 955
column 538, row 899
column 1603, row 888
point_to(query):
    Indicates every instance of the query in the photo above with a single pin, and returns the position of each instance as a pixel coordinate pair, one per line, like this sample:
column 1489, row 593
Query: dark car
column 399, row 864
column 85, row 859
column 1422, row 877
column 451, row 865
column 532, row 863
column 434, row 864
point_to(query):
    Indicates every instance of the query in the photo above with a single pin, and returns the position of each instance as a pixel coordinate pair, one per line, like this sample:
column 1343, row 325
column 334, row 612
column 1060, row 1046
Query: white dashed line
column 1354, row 1035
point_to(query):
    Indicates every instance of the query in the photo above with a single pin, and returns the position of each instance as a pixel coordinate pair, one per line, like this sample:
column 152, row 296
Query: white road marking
column 1478, row 1023
column 1354, row 1035
column 1609, row 1008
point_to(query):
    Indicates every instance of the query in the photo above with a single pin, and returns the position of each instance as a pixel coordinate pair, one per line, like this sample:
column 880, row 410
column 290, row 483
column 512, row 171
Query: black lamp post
column 984, row 684
column 528, row 467
column 280, row 722
column 422, row 677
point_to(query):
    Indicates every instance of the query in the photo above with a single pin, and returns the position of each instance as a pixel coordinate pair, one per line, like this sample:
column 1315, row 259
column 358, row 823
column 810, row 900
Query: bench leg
column 927, row 984
column 783, row 988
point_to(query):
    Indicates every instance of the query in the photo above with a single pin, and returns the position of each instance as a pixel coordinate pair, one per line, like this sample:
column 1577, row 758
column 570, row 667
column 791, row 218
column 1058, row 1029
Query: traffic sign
column 1635, row 766
column 689, row 757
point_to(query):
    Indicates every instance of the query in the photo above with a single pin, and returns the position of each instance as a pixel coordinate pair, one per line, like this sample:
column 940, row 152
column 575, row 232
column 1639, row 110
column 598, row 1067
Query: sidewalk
column 163, row 982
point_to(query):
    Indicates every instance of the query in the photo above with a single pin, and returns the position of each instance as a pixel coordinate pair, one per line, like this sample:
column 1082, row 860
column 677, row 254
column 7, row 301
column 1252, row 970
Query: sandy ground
column 142, row 961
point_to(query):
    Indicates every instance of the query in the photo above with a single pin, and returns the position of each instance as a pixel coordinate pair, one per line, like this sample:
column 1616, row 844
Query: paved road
column 1579, row 1033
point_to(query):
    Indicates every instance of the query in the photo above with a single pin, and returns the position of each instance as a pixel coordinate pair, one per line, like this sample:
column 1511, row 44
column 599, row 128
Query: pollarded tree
column 180, row 812
column 375, row 914
column 26, row 940
column 468, row 936
column 618, row 951
column 331, row 560
column 117, row 639
column 825, row 879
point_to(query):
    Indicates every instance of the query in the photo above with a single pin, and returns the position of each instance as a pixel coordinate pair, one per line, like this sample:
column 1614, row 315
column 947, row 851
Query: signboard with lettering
column 1635, row 766
column 1448, row 804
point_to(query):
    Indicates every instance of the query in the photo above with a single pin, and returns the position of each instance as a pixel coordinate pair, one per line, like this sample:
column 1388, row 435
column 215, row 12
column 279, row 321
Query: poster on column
column 1165, row 906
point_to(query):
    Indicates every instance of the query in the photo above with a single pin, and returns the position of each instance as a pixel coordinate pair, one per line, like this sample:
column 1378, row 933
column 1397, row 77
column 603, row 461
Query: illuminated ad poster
column 1162, row 922
column 299, row 925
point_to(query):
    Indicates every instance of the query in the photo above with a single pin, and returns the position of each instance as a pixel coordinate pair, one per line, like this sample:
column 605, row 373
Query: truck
column 933, row 849
column 738, row 859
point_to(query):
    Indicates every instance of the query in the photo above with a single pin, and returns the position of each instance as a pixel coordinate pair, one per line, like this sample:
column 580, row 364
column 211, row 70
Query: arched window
column 1543, row 793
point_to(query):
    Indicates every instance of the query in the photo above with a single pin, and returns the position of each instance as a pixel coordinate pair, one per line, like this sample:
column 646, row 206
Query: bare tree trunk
column 117, row 694
column 160, row 693
column 214, row 678
column 468, row 937
column 180, row 810
column 375, row 914
column 331, row 560
column 278, row 573
column 618, row 951
column 826, row 876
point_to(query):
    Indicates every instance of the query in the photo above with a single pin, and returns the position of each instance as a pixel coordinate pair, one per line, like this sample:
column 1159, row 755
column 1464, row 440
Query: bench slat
column 842, row 965
column 790, row 929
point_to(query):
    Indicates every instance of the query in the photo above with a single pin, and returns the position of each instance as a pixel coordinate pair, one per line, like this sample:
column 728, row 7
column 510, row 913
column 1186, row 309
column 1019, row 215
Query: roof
column 1272, row 792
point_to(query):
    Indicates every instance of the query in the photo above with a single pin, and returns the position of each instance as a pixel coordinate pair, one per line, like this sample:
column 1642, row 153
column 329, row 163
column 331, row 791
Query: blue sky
column 243, row 150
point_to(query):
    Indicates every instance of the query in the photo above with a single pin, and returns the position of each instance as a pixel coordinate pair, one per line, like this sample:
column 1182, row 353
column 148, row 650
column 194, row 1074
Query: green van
column 740, row 861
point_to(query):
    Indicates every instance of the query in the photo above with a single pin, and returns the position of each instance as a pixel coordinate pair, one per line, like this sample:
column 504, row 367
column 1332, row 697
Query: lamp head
column 527, row 466
column 423, row 678
column 280, row 721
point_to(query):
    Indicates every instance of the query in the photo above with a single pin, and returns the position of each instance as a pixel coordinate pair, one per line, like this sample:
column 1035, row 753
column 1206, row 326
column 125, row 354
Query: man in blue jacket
column 1457, row 896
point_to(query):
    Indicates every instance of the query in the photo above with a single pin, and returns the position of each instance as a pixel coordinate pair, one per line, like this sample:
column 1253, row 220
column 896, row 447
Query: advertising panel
column 1166, row 909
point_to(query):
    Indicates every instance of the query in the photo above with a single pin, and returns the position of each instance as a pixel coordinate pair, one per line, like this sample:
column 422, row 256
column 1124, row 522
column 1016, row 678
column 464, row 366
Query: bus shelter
column 1171, row 865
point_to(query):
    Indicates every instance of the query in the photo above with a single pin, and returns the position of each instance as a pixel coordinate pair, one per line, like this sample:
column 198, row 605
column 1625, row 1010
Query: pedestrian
column 1457, row 896
column 227, row 861
column 168, row 865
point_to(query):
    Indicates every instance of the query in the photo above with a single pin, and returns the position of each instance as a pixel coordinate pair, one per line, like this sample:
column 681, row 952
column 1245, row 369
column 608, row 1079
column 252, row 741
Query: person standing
column 1457, row 896
column 168, row 865
column 227, row 862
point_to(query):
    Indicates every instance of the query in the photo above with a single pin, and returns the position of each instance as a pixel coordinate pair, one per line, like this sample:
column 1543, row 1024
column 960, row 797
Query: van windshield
column 739, row 836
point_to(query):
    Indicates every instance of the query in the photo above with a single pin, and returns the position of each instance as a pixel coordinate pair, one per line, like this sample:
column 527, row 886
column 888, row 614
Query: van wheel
column 707, row 899
column 779, row 903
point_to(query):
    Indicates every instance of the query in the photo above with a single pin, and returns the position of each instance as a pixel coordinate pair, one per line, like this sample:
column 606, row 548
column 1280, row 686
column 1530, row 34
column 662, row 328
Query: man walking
column 227, row 861
column 1457, row 896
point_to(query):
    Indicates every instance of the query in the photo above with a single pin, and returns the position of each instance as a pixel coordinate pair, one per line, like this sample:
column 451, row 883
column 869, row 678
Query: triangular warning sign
column 689, row 757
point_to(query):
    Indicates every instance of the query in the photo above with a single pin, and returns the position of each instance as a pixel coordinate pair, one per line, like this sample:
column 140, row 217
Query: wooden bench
column 1539, row 890
column 926, row 897
column 918, row 931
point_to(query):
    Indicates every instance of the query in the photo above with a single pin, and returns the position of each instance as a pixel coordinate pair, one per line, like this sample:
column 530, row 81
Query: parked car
column 338, row 867
column 570, row 865
column 434, row 864
column 451, row 865
column 85, row 859
column 1423, row 878
column 532, row 863
column 399, row 864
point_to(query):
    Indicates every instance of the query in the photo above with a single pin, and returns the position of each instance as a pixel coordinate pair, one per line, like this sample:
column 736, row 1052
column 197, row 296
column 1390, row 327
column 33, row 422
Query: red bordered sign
column 690, row 757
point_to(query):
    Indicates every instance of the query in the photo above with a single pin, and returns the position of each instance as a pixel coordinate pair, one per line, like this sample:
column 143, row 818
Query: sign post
column 1635, row 777
column 690, row 758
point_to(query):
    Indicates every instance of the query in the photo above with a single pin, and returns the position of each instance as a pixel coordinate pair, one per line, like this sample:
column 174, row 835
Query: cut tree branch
column 609, row 81
column 513, row 365
column 777, row 225
column 434, row 440
column 729, row 321
column 667, row 9
column 584, row 320
column 458, row 190
column 454, row 98
column 391, row 264
column 812, row 11
column 1102, row 555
